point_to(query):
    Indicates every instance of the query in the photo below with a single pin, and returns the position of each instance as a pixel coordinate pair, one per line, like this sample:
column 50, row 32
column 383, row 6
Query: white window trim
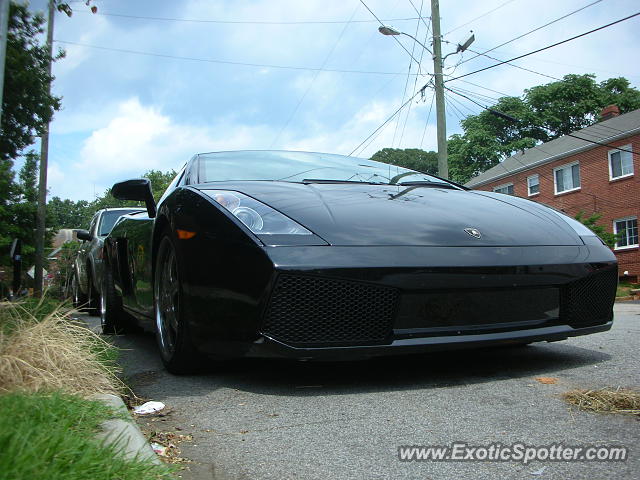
column 504, row 185
column 615, row 230
column 611, row 177
column 555, row 183
column 528, row 191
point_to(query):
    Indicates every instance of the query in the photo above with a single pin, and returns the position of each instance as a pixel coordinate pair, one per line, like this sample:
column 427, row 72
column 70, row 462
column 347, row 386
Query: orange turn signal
column 185, row 234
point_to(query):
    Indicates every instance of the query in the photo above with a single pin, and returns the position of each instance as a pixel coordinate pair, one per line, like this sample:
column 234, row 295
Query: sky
column 131, row 104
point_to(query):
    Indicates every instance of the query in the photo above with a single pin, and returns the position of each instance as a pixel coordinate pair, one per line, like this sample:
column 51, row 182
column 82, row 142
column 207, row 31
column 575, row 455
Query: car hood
column 363, row 214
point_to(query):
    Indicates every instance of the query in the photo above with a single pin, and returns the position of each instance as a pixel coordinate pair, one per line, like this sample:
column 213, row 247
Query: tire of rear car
column 176, row 349
column 93, row 297
column 113, row 319
column 79, row 299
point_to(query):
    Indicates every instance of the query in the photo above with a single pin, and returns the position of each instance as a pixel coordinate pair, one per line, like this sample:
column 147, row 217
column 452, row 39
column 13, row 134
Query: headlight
column 261, row 219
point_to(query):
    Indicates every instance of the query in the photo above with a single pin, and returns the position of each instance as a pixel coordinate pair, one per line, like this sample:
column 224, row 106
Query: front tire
column 176, row 349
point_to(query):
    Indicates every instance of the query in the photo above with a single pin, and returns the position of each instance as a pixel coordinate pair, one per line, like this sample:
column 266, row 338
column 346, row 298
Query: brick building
column 575, row 176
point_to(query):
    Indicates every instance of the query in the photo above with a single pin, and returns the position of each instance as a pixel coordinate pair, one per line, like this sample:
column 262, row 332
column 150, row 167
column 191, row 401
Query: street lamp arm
column 419, row 42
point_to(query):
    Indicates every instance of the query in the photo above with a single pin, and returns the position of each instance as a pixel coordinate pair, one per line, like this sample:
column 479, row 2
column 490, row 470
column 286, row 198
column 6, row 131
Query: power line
column 464, row 105
column 315, row 76
column 228, row 62
column 246, row 22
column 420, row 17
column 535, row 29
column 515, row 66
column 547, row 47
column 406, row 83
column 479, row 17
column 480, row 96
column 487, row 89
column 393, row 36
column 388, row 119
column 456, row 111
column 426, row 124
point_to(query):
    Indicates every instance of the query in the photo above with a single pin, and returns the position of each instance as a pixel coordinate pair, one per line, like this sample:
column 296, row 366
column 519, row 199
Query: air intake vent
column 589, row 301
column 313, row 311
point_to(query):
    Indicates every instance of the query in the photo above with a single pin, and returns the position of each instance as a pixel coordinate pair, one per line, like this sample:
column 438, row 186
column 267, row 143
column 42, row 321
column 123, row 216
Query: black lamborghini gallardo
column 310, row 255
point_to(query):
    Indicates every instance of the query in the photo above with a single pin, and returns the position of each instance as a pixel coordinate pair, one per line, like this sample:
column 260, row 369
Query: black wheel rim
column 103, row 308
column 75, row 293
column 167, row 299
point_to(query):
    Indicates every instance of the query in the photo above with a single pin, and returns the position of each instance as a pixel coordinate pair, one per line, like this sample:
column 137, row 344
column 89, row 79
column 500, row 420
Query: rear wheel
column 113, row 319
column 177, row 351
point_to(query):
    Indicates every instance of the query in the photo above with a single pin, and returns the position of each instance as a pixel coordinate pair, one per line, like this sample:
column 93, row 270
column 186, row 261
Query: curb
column 125, row 435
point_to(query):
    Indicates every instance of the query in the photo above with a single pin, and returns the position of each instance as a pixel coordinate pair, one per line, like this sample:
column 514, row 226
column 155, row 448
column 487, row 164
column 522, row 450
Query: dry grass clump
column 46, row 352
column 606, row 400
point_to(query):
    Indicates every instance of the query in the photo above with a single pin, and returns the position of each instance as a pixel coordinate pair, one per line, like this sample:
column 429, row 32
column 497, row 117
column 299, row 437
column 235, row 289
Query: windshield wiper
column 426, row 183
column 320, row 180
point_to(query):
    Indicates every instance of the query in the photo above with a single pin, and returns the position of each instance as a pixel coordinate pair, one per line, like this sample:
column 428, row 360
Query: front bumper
column 268, row 347
column 333, row 302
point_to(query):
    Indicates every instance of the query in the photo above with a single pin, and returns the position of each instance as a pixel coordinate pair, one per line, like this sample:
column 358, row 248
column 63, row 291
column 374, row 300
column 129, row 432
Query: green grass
column 51, row 436
column 624, row 289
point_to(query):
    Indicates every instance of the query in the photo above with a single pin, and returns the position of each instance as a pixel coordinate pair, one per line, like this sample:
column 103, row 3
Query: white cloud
column 126, row 113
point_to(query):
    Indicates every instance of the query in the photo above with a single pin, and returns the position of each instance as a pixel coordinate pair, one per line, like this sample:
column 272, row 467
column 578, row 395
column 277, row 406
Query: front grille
column 306, row 310
column 589, row 301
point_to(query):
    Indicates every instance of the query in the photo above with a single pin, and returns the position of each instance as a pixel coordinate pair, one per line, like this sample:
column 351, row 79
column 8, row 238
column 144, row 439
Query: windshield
column 302, row 166
column 109, row 219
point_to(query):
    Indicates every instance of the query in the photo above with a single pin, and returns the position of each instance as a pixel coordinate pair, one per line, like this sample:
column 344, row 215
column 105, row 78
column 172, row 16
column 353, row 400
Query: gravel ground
column 259, row 419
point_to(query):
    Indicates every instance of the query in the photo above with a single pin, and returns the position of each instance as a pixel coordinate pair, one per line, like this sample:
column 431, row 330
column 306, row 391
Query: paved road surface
column 257, row 419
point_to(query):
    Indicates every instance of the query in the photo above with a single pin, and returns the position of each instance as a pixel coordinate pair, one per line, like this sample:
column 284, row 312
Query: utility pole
column 42, row 187
column 443, row 166
column 4, row 28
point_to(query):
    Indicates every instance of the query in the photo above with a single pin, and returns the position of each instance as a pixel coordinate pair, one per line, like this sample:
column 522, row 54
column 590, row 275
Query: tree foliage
column 412, row 158
column 20, row 210
column 544, row 112
column 27, row 105
column 26, row 109
column 591, row 222
column 70, row 214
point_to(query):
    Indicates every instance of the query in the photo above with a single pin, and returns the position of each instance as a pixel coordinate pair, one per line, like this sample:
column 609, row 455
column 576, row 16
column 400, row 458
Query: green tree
column 591, row 222
column 544, row 112
column 22, row 210
column 27, row 104
column 27, row 107
column 159, row 183
column 67, row 214
column 412, row 158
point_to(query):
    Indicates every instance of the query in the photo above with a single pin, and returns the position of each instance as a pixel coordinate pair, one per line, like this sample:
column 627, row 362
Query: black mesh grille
column 307, row 310
column 589, row 301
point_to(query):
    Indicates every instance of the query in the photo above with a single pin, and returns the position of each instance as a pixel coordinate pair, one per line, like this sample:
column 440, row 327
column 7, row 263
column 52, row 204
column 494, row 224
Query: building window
column 620, row 163
column 506, row 188
column 627, row 229
column 533, row 184
column 567, row 177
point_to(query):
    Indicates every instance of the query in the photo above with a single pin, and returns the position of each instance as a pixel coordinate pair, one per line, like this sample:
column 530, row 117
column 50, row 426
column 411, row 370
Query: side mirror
column 84, row 235
column 138, row 189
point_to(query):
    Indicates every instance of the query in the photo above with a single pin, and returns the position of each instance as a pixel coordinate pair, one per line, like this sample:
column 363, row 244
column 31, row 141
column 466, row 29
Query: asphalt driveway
column 258, row 419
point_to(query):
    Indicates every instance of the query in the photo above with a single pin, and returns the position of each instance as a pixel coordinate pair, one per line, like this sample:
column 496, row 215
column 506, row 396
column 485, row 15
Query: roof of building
column 603, row 132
